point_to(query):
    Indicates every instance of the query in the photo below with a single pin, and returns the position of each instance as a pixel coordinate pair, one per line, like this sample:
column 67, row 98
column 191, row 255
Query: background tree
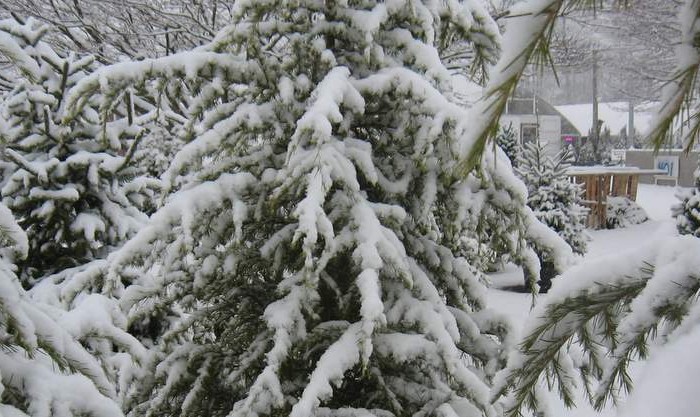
column 111, row 30
column 555, row 201
column 44, row 369
column 623, row 38
column 73, row 188
column 509, row 143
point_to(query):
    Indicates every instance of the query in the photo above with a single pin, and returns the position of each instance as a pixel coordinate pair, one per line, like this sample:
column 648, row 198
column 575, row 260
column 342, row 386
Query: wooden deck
column 601, row 182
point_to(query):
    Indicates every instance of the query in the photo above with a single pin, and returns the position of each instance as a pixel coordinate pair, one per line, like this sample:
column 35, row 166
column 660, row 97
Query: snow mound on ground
column 623, row 212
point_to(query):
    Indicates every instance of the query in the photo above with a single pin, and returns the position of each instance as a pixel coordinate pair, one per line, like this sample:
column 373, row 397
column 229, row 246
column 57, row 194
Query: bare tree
column 114, row 29
column 633, row 49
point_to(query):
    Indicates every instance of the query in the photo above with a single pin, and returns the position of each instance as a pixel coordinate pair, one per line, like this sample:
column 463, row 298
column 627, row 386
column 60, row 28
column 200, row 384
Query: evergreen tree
column 44, row 370
column 508, row 141
column 555, row 201
column 75, row 192
column 552, row 196
column 301, row 265
column 687, row 212
column 73, row 187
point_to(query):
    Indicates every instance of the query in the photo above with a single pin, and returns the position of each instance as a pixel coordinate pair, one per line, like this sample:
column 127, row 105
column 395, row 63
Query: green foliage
column 678, row 103
column 42, row 364
column 687, row 211
column 555, row 201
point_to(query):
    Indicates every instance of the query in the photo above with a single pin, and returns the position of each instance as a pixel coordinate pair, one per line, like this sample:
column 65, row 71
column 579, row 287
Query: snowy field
column 657, row 201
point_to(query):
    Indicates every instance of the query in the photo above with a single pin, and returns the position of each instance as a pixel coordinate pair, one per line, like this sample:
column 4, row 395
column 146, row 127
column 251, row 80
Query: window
column 528, row 132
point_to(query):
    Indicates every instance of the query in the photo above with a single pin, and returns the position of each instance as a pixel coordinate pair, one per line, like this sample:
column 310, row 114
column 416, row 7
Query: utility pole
column 630, row 124
column 594, row 129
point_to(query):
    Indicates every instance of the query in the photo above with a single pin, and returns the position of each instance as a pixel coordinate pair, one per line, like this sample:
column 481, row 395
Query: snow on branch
column 678, row 93
column 526, row 33
column 42, row 362
column 182, row 209
column 185, row 65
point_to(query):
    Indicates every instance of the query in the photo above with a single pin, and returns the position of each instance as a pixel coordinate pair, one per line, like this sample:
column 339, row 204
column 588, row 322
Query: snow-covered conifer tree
column 552, row 196
column 302, row 264
column 44, row 370
column 554, row 200
column 73, row 188
column 508, row 141
column 687, row 211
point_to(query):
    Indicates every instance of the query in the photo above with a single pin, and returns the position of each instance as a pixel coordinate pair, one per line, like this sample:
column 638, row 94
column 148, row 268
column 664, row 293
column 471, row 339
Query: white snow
column 670, row 374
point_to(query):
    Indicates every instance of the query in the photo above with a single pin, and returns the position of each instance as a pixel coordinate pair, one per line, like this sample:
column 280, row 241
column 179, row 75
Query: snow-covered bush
column 623, row 212
column 73, row 187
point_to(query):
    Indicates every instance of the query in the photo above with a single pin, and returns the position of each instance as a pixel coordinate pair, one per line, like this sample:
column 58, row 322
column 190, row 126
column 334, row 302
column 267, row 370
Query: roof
column 521, row 106
column 524, row 105
column 613, row 115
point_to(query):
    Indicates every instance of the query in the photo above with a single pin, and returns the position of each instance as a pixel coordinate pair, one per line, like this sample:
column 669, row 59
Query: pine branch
column 505, row 76
column 28, row 166
column 562, row 323
column 680, row 91
column 532, row 47
column 670, row 310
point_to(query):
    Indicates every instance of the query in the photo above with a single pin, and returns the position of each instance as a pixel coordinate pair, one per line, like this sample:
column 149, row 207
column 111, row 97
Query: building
column 532, row 117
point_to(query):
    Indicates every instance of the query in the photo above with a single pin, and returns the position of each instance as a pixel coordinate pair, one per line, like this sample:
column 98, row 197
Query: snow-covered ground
column 657, row 201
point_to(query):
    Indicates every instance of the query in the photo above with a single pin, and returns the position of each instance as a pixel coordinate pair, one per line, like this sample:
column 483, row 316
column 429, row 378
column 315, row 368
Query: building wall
column 644, row 158
column 549, row 128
